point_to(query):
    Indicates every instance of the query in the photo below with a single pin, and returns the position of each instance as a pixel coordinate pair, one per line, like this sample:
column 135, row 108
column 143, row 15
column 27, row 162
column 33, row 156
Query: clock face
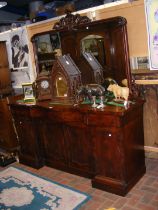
column 44, row 84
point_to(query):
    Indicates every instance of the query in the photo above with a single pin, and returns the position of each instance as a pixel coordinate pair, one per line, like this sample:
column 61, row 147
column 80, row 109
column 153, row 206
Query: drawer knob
column 20, row 122
column 109, row 134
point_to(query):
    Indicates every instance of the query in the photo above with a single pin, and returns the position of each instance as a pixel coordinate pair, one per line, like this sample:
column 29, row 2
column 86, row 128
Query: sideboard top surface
column 82, row 108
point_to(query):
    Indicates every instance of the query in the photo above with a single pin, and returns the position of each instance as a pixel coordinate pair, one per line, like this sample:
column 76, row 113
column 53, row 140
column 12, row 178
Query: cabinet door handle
column 20, row 122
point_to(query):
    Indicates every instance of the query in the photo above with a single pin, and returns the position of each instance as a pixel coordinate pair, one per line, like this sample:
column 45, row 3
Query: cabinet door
column 5, row 76
column 30, row 151
column 79, row 146
column 109, row 152
column 8, row 138
column 54, row 146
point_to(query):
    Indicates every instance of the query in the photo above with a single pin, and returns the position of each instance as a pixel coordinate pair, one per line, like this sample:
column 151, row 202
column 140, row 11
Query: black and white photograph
column 19, row 49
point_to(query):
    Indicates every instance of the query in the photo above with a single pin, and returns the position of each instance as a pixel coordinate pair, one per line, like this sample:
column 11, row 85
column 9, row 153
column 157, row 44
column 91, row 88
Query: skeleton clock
column 66, row 78
column 43, row 86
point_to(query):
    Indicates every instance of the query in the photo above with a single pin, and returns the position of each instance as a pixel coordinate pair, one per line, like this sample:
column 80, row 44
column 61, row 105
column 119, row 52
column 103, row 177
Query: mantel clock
column 43, row 86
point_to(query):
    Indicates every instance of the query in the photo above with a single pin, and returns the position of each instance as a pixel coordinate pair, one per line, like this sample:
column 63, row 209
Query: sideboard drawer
column 103, row 120
column 26, row 112
column 19, row 112
column 65, row 116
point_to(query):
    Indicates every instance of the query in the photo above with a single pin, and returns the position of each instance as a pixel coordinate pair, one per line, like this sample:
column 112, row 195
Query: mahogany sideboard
column 106, row 145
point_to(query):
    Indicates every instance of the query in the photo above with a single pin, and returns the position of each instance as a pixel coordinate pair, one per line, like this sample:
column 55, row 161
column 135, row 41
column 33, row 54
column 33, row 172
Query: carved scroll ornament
column 70, row 21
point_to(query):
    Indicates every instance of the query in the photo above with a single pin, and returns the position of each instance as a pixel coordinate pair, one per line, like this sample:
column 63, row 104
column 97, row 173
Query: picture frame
column 139, row 62
column 151, row 13
column 28, row 91
column 19, row 53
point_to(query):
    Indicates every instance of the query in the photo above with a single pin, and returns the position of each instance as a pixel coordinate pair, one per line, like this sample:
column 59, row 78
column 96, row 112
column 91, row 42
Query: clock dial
column 44, row 84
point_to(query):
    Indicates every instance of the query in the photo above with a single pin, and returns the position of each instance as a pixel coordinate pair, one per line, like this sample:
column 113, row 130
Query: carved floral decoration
column 70, row 21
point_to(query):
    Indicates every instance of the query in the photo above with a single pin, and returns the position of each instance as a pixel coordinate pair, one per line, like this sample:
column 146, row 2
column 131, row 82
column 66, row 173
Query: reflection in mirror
column 96, row 67
column 95, row 45
column 43, row 44
column 48, row 48
column 55, row 41
column 61, row 86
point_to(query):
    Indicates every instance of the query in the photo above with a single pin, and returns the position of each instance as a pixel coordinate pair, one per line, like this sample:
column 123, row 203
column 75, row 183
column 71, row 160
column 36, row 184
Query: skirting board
column 151, row 149
column 151, row 152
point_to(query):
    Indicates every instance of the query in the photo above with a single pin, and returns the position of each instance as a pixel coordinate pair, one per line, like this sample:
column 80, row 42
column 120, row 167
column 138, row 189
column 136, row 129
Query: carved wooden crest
column 70, row 21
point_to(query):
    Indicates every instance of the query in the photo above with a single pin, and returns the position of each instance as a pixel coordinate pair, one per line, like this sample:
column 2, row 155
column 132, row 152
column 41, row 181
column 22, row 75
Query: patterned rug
column 21, row 190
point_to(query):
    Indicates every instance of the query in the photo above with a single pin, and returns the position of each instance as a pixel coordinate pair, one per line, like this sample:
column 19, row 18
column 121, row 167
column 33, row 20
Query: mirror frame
column 73, row 28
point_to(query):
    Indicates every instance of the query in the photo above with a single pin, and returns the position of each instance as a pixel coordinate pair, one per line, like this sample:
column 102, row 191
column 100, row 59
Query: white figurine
column 124, row 82
column 119, row 92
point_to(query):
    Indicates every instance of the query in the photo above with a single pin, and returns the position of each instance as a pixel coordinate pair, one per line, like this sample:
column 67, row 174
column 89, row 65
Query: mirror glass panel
column 61, row 86
column 94, row 44
column 47, row 48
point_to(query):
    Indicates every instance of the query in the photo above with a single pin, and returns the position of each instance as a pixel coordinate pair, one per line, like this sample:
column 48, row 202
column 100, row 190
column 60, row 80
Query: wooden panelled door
column 5, row 75
column 8, row 138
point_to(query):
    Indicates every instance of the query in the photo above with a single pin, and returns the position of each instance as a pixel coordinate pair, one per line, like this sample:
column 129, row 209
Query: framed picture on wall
column 139, row 62
column 151, row 11
column 19, row 49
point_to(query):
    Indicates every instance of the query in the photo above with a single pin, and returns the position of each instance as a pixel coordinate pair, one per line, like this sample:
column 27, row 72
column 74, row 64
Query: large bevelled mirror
column 47, row 48
column 105, row 39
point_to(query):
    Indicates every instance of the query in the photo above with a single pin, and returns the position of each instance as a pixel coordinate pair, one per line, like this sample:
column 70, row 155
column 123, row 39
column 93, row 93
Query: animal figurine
column 82, row 94
column 124, row 82
column 108, row 81
column 119, row 92
column 87, row 91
